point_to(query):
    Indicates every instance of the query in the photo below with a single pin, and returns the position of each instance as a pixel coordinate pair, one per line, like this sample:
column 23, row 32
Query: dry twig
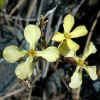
column 31, row 9
column 16, row 7
column 33, row 3
column 19, row 18
column 12, row 93
column 91, row 31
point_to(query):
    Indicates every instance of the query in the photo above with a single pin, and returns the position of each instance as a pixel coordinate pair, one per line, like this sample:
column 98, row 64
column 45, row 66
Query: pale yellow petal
column 68, row 23
column 58, row 37
column 32, row 34
column 79, row 31
column 71, row 53
column 90, row 50
column 25, row 69
column 13, row 53
column 64, row 50
column 91, row 70
column 76, row 79
column 72, row 45
column 51, row 54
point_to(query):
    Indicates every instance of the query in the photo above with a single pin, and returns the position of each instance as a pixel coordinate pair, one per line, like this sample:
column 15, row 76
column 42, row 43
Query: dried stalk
column 12, row 93
column 30, row 94
column 91, row 31
column 75, row 10
column 29, row 13
column 18, row 18
column 76, row 94
column 16, row 7
column 40, row 10
column 50, row 20
column 46, row 69
column 31, row 9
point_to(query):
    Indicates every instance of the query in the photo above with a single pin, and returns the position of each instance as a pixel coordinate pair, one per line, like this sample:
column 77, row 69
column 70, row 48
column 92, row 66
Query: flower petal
column 24, row 70
column 72, row 45
column 64, row 50
column 76, row 79
column 58, row 37
column 91, row 70
column 32, row 34
column 71, row 53
column 79, row 31
column 90, row 50
column 51, row 54
column 13, row 53
column 68, row 23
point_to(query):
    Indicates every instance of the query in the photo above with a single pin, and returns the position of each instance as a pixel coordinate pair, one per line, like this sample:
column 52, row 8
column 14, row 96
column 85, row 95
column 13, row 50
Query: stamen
column 80, row 62
column 31, row 52
column 86, row 63
column 67, row 36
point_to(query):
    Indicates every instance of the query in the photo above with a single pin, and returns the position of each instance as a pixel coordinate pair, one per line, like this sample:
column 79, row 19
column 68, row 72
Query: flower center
column 31, row 52
column 80, row 62
column 67, row 36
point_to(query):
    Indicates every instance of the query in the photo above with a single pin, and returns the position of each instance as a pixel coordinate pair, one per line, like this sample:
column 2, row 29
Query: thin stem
column 30, row 94
column 76, row 9
column 12, row 93
column 31, row 10
column 18, row 18
column 16, row 7
column 91, row 31
column 40, row 10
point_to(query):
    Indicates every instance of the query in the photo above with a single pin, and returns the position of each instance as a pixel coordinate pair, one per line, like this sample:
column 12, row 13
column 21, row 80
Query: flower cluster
column 66, row 48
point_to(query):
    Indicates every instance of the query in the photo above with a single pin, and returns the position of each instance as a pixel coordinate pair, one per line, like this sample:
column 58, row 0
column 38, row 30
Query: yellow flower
column 67, row 36
column 12, row 53
column 76, row 79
